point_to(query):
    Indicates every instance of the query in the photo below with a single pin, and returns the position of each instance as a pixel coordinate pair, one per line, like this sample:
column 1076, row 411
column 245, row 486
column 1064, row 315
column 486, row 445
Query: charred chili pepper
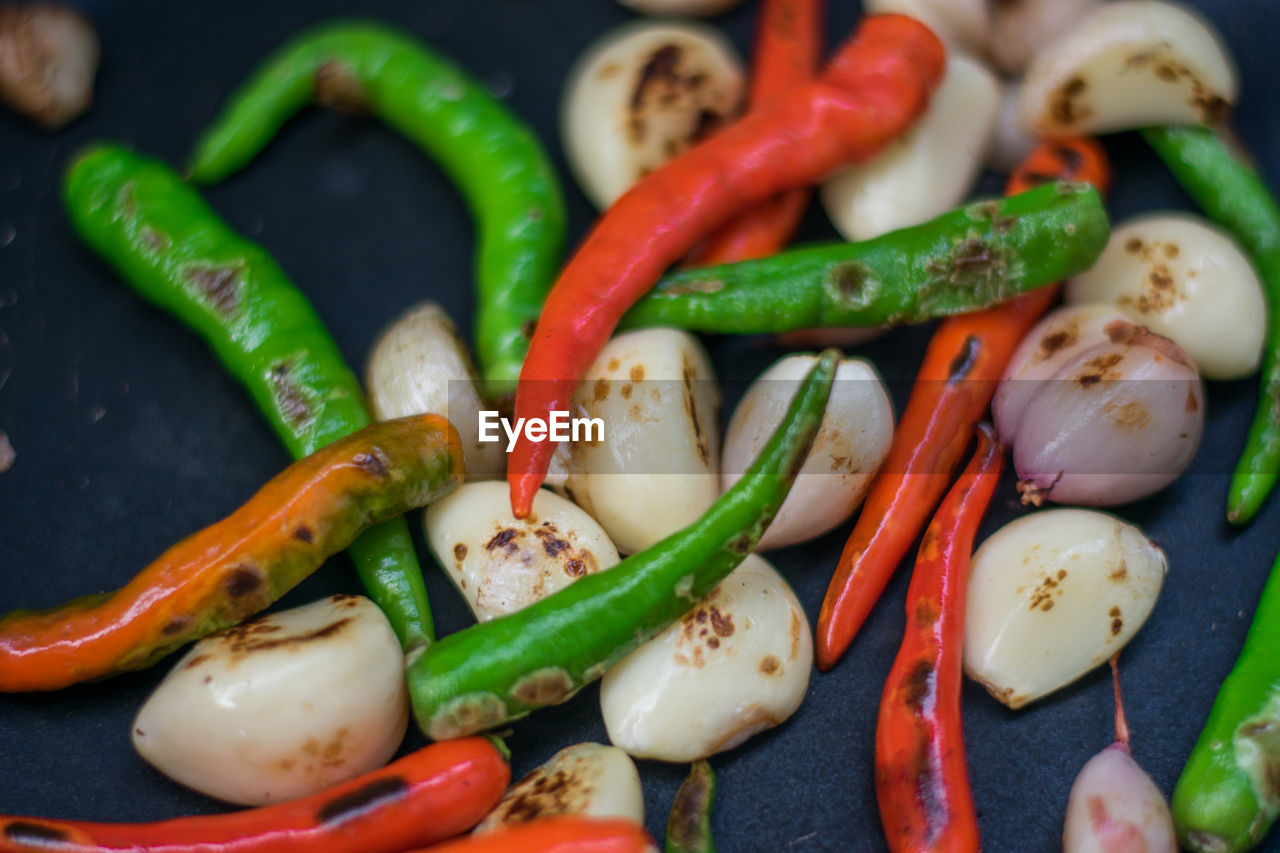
column 872, row 91
column 964, row 260
column 556, row 835
column 432, row 794
column 172, row 249
column 497, row 671
column 1229, row 793
column 492, row 157
column 689, row 826
column 952, row 392
column 1232, row 193
column 240, row 565
column 787, row 51
column 922, row 784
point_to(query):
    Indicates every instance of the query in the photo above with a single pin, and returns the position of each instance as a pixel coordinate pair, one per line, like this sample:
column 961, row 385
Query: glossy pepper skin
column 922, row 784
column 432, row 794
column 952, row 392
column 171, row 248
column 491, row 156
column 965, row 260
column 876, row 86
column 494, row 672
column 556, row 835
column 1228, row 795
column 689, row 825
column 787, row 51
column 1234, row 195
column 240, row 565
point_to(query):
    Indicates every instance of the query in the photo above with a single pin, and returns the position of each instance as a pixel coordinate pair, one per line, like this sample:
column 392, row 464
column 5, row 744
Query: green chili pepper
column 1229, row 792
column 498, row 671
column 493, row 158
column 964, row 260
column 689, row 826
column 174, row 250
column 1229, row 190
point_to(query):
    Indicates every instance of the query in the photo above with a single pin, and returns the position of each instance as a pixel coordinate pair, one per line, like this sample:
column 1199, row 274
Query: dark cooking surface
column 129, row 436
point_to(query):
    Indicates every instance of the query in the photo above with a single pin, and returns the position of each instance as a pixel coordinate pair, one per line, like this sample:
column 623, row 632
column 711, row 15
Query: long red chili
column 922, row 784
column 952, row 392
column 787, row 52
column 556, row 835
column 875, row 87
column 427, row 796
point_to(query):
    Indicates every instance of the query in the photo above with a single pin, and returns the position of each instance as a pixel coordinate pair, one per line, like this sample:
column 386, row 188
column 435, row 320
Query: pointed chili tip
column 523, row 489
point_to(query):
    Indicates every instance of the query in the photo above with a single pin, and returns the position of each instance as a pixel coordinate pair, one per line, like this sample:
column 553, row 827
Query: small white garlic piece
column 734, row 666
column 1115, row 807
column 1020, row 29
column 1052, row 595
column 963, row 21
column 850, row 447
column 502, row 564
column 420, row 366
column 586, row 779
column 1127, row 65
column 1010, row 143
column 658, row 467
column 930, row 169
column 642, row 94
column 280, row 707
column 1184, row 279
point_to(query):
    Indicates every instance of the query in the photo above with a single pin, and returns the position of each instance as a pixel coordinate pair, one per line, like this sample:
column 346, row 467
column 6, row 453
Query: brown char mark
column 291, row 398
column 220, row 285
column 243, row 580
column 35, row 834
column 373, row 462
column 917, row 685
column 362, row 800
column 964, row 362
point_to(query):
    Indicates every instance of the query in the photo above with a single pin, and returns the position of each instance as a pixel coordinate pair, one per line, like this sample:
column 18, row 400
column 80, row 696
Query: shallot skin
column 1115, row 807
column 48, row 59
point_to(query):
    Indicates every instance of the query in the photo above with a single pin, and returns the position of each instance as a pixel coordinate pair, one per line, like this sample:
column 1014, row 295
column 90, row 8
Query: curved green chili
column 176, row 252
column 491, row 156
column 488, row 674
column 1232, row 193
column 1229, row 791
column 964, row 260
column 689, row 825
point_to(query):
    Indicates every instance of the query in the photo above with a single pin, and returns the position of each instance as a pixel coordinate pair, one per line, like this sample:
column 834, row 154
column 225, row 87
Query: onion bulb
column 48, row 58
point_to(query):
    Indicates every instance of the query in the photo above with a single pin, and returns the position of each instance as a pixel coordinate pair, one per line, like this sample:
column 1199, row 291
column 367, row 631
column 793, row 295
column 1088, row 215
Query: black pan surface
column 129, row 436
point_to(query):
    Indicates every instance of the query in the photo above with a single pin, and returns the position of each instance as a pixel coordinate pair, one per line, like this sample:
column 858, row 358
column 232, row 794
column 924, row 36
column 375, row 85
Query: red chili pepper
column 556, row 835
column 788, row 48
column 922, row 784
column 870, row 93
column 432, row 794
column 952, row 392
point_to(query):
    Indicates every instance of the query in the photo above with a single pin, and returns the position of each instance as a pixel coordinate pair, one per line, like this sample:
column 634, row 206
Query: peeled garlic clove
column 641, row 95
column 280, row 707
column 851, row 445
column 1184, row 279
column 1115, row 807
column 1053, row 595
column 1127, row 65
column 1056, row 340
column 658, row 467
column 1117, row 422
column 734, row 666
column 1010, row 143
column 930, row 169
column 699, row 8
column 48, row 58
column 586, row 779
column 420, row 366
column 963, row 21
column 502, row 564
column 1020, row 29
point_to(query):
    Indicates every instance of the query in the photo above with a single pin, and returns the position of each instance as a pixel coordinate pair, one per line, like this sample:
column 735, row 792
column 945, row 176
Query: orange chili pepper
column 556, row 835
column 922, row 784
column 434, row 793
column 964, row 361
column 788, row 48
column 240, row 565
column 876, row 86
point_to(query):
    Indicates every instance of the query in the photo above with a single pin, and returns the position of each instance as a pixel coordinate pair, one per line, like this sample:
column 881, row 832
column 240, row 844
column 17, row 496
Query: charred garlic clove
column 282, row 706
column 1127, row 65
column 1021, row 29
column 641, row 95
column 658, row 466
column 1184, row 279
column 852, row 444
column 734, row 666
column 1053, row 595
column 502, row 564
column 587, row 779
column 48, row 58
